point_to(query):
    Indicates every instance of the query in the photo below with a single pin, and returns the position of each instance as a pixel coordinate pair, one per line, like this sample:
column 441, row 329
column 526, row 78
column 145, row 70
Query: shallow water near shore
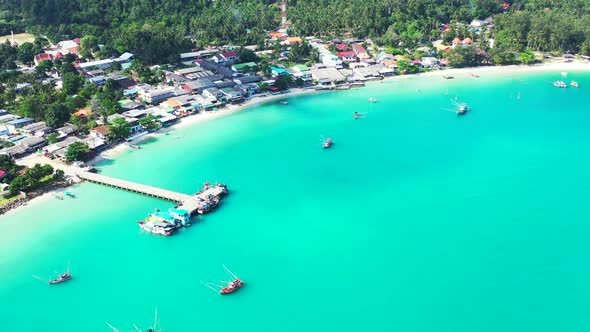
column 415, row 220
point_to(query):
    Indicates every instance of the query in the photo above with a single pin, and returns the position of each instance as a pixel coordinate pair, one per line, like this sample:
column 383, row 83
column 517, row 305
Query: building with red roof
column 229, row 57
column 349, row 56
column 43, row 57
column 358, row 49
column 342, row 47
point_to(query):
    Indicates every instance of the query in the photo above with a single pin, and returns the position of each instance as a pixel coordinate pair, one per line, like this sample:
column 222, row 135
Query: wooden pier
column 190, row 203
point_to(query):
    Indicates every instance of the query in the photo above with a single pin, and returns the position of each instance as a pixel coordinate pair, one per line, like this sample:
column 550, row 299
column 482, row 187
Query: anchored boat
column 461, row 108
column 327, row 143
column 560, row 84
column 153, row 328
column 61, row 277
column 231, row 286
column 575, row 84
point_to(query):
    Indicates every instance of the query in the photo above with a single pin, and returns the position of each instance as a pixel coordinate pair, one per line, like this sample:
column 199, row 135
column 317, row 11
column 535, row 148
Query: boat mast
column 155, row 320
column 229, row 272
column 112, row 327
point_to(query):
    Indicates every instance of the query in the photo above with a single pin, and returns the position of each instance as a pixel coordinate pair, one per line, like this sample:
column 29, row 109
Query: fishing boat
column 373, row 100
column 156, row 226
column 560, row 84
column 461, row 108
column 575, row 84
column 153, row 328
column 134, row 146
column 448, row 77
column 327, row 143
column 69, row 193
column 283, row 102
column 63, row 277
column 232, row 286
column 208, row 205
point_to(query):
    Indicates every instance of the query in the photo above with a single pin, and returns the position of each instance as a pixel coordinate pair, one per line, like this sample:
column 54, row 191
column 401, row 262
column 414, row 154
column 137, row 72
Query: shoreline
column 231, row 109
column 202, row 117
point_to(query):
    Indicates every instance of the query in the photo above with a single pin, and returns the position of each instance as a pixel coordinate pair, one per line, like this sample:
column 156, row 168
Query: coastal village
column 207, row 80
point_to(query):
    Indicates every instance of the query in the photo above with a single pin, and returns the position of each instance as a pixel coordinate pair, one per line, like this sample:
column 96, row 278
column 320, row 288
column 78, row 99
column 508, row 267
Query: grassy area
column 6, row 200
column 19, row 38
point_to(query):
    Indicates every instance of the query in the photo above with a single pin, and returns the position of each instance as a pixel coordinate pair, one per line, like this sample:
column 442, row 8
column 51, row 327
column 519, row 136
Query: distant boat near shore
column 575, row 84
column 448, row 77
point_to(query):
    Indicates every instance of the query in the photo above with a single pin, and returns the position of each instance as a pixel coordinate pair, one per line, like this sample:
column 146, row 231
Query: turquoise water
column 416, row 219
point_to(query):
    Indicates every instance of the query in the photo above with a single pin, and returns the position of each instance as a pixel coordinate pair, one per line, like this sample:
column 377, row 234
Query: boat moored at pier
column 156, row 226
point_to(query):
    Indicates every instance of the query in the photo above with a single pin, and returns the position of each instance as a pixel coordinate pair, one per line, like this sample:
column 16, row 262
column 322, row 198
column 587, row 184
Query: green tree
column 405, row 67
column 59, row 175
column 72, row 82
column 247, row 55
column 7, row 164
column 284, row 82
column 119, row 129
column 25, row 53
column 464, row 57
column 89, row 43
column 44, row 67
column 526, row 57
column 149, row 122
column 52, row 138
column 17, row 185
column 57, row 115
column 76, row 151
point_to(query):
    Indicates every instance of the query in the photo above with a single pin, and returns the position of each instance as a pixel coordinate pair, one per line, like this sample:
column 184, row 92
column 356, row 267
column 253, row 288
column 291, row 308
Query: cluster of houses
column 26, row 135
column 211, row 78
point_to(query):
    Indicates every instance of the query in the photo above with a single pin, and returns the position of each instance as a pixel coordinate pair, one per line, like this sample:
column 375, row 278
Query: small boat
column 133, row 146
column 448, row 77
column 231, row 286
column 60, row 197
column 356, row 115
column 461, row 108
column 474, row 75
column 62, row 277
column 564, row 73
column 327, row 143
column 575, row 84
column 153, row 328
column 560, row 84
column 156, row 226
column 373, row 100
column 283, row 102
column 69, row 193
column 208, row 205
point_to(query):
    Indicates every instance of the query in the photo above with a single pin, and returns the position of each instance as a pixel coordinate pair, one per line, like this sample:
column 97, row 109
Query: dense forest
column 155, row 30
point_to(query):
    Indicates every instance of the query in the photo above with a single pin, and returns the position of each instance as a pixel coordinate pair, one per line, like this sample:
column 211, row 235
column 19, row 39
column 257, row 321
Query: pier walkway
column 191, row 203
column 134, row 187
